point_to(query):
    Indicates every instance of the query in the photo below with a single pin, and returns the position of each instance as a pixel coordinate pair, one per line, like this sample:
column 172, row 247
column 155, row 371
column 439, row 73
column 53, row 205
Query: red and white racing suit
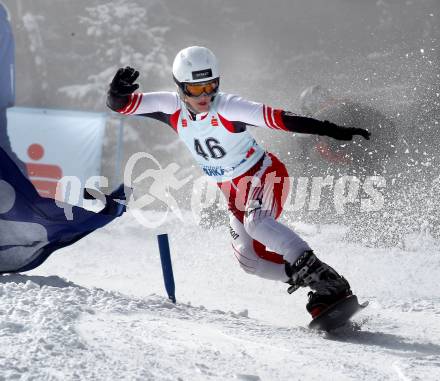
column 255, row 182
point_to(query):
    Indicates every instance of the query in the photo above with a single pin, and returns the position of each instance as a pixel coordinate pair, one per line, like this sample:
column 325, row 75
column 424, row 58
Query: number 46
column 216, row 151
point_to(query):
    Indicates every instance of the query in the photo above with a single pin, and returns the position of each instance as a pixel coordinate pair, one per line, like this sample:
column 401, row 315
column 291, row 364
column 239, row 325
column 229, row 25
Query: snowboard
column 337, row 315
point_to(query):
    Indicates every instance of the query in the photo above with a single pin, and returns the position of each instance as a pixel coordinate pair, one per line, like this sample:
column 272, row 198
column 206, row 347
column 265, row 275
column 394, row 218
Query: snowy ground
column 97, row 311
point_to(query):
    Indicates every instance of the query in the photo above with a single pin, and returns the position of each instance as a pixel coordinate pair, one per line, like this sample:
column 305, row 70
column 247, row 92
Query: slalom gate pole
column 167, row 267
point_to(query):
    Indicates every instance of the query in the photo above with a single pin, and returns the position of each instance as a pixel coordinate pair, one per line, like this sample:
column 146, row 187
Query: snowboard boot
column 328, row 286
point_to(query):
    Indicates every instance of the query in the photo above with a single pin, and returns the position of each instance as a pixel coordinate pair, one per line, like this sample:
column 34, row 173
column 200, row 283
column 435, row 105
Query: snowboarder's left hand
column 344, row 133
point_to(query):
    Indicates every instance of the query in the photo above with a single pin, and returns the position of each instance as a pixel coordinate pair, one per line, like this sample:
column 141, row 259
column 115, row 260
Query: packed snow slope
column 98, row 311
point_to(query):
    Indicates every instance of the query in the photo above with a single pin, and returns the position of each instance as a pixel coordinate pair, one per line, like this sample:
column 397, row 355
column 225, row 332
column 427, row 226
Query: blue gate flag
column 33, row 227
column 167, row 267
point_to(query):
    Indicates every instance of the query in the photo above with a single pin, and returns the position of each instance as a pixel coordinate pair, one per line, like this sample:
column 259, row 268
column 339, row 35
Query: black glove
column 306, row 125
column 343, row 133
column 123, row 82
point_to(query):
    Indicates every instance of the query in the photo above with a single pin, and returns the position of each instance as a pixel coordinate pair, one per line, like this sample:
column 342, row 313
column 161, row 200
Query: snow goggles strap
column 197, row 89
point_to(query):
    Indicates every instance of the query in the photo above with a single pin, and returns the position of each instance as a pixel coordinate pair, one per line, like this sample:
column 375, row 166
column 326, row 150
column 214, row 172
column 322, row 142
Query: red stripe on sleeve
column 270, row 119
column 124, row 109
column 264, row 114
column 134, row 98
column 138, row 103
column 133, row 104
column 279, row 120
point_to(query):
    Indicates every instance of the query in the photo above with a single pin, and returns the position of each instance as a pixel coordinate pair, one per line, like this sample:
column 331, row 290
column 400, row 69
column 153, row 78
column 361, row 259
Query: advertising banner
column 57, row 145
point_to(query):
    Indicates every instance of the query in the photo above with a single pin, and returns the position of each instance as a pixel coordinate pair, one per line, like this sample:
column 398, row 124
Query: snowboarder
column 214, row 127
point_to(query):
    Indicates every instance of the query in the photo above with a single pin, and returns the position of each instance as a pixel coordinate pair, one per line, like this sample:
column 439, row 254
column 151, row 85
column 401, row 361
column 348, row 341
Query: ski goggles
column 197, row 89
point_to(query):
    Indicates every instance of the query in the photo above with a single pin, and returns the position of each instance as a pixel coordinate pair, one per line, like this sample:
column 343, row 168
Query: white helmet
column 195, row 64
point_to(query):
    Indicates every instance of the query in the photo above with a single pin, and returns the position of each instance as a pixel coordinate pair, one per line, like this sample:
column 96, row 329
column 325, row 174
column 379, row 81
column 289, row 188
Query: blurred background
column 380, row 56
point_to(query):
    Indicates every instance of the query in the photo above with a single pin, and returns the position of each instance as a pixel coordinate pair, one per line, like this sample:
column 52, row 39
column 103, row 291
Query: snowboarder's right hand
column 123, row 82
column 343, row 133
